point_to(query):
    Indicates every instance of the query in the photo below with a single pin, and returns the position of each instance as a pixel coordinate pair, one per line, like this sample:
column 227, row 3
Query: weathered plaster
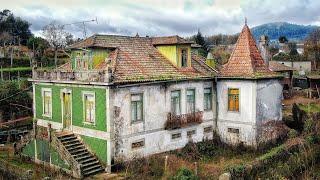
column 157, row 102
column 259, row 102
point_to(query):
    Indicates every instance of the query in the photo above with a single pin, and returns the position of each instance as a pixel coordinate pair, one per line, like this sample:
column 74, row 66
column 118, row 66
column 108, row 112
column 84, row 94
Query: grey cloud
column 152, row 20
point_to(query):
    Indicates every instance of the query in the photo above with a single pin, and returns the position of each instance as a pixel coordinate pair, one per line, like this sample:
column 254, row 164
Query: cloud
column 163, row 17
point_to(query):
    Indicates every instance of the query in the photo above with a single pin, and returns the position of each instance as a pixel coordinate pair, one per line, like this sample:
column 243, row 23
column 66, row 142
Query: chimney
column 263, row 47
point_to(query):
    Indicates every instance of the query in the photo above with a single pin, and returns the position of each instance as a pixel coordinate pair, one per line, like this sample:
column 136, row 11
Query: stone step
column 64, row 134
column 89, row 168
column 81, row 146
column 71, row 141
column 80, row 154
column 67, row 145
column 69, row 138
column 79, row 158
column 90, row 164
column 75, row 152
column 92, row 172
column 84, row 161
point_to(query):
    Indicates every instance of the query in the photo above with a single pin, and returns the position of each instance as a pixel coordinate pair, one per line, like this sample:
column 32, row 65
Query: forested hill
column 277, row 29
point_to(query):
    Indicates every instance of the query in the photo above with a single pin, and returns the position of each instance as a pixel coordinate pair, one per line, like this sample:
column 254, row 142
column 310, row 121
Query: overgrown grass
column 310, row 108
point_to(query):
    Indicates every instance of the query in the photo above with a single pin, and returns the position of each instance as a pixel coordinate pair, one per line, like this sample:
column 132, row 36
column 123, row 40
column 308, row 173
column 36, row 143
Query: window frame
column 181, row 57
column 208, row 129
column 136, row 142
column 204, row 99
column 194, row 100
column 191, row 132
column 171, row 104
column 43, row 90
column 84, row 110
column 142, row 108
column 228, row 100
column 178, row 134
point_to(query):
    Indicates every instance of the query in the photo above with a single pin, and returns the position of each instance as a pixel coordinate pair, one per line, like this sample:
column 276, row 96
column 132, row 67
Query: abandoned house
column 121, row 97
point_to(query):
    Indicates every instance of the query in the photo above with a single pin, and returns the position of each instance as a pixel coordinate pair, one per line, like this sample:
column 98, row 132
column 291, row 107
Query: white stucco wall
column 156, row 104
column 259, row 101
column 244, row 120
column 298, row 65
column 269, row 100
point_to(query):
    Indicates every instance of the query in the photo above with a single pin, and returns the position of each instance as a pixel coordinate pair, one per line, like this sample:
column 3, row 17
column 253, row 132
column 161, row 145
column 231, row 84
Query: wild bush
column 292, row 133
column 184, row 174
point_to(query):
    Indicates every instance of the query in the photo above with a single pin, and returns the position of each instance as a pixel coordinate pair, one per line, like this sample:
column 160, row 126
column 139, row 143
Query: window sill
column 207, row 110
column 137, row 122
column 234, row 112
column 89, row 124
column 47, row 116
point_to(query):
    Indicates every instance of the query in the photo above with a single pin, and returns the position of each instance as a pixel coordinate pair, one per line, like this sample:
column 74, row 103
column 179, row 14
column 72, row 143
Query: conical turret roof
column 246, row 60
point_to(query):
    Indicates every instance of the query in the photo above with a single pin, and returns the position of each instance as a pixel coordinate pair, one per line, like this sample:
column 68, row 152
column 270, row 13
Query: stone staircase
column 88, row 163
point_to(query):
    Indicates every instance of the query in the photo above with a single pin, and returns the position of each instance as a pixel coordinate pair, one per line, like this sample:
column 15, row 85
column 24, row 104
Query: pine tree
column 199, row 39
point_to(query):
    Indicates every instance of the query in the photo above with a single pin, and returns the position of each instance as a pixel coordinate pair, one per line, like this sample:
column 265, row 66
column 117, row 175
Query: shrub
column 308, row 126
column 293, row 133
column 237, row 171
column 184, row 174
column 312, row 139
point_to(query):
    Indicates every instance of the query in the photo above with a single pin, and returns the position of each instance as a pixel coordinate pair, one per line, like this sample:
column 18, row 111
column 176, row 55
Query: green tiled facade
column 77, row 105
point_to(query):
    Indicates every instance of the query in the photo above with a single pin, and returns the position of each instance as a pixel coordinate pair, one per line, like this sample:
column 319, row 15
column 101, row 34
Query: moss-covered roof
column 136, row 59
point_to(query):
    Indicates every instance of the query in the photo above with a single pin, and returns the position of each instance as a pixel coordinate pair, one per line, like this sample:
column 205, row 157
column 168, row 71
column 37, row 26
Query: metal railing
column 183, row 120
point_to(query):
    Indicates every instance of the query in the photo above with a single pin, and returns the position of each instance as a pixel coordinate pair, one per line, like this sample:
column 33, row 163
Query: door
column 66, row 110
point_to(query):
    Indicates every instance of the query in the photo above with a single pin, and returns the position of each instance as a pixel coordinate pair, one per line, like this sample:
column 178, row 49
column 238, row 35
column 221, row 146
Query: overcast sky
column 163, row 17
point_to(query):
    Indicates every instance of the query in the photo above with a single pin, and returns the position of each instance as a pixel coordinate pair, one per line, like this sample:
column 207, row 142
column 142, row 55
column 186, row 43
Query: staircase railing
column 64, row 153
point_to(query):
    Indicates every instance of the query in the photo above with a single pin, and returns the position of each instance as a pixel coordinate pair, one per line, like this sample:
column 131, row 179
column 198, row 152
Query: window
column 137, row 144
column 207, row 129
column 233, row 99
column 175, row 102
column 233, row 130
column 136, row 107
column 207, row 99
column 47, row 102
column 176, row 136
column 191, row 101
column 190, row 133
column 89, row 107
column 184, row 57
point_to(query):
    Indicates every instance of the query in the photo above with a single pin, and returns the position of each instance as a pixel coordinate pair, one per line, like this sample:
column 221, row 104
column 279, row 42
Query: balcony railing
column 183, row 120
column 75, row 75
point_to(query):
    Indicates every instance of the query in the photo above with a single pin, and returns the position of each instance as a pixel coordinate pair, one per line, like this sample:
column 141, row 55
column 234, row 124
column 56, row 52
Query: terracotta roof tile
column 135, row 59
column 170, row 40
column 276, row 66
column 246, row 60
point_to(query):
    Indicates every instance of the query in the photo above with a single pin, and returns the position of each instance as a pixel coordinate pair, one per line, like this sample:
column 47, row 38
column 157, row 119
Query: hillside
column 276, row 29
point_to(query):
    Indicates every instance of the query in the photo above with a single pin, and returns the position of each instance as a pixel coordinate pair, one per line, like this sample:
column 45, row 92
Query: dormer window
column 184, row 57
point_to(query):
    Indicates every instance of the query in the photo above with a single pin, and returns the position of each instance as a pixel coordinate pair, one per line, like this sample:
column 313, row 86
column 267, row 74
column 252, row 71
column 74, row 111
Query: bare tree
column 56, row 36
column 312, row 46
column 5, row 39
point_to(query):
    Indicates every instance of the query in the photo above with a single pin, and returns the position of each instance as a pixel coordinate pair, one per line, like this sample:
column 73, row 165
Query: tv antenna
column 84, row 29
